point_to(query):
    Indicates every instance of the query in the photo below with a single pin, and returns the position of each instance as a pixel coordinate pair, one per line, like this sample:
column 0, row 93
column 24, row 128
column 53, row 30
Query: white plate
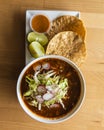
column 52, row 15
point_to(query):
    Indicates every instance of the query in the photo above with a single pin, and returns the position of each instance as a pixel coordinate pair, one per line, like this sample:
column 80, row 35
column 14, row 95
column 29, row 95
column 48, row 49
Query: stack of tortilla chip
column 66, row 38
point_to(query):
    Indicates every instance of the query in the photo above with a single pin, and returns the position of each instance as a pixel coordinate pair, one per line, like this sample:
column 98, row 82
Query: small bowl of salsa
column 40, row 23
column 51, row 89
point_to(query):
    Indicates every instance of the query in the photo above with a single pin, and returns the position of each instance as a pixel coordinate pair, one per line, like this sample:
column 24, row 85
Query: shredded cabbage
column 56, row 83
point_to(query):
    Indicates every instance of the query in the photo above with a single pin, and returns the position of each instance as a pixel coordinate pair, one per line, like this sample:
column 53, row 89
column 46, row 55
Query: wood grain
column 12, row 55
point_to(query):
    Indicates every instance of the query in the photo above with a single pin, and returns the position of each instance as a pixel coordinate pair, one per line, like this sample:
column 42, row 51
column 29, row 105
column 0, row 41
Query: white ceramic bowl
column 67, row 116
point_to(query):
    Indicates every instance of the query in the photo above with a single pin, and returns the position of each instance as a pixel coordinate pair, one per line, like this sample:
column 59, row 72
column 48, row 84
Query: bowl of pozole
column 51, row 89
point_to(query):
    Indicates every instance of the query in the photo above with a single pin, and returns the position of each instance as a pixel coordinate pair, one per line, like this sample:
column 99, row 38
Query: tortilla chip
column 66, row 23
column 68, row 44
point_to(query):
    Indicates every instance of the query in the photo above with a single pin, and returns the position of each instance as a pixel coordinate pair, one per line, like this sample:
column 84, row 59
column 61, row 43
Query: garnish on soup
column 46, row 89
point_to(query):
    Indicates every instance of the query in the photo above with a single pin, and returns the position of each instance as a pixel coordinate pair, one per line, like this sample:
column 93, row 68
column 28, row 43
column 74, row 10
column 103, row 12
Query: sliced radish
column 39, row 99
column 56, row 105
column 41, row 89
column 46, row 66
column 37, row 68
column 48, row 96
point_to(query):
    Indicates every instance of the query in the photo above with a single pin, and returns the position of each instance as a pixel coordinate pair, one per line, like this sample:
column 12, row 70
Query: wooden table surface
column 12, row 55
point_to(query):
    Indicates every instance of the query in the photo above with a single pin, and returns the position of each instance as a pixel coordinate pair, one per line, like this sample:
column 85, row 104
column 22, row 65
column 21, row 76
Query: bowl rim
column 51, row 120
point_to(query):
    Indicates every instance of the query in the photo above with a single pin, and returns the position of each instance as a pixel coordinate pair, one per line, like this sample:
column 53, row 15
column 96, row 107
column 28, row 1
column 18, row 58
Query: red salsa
column 40, row 23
